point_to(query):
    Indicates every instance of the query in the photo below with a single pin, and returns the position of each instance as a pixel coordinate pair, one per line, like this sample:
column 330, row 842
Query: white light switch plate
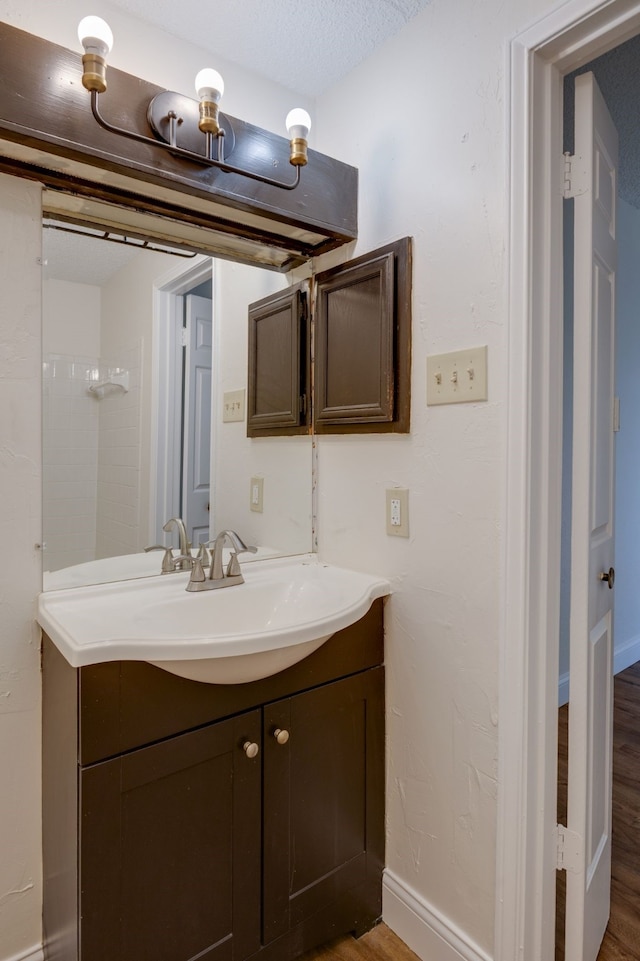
column 458, row 377
column 232, row 406
column 398, row 512
column 256, row 491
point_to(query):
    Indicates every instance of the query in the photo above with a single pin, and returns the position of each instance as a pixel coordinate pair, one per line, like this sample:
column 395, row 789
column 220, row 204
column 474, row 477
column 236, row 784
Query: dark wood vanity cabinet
column 169, row 851
column 186, row 820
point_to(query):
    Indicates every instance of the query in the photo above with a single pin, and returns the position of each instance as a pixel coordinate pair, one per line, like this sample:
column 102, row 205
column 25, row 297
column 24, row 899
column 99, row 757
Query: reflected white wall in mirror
column 101, row 317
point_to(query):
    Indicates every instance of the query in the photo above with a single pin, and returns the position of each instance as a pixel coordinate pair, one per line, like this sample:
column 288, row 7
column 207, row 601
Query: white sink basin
column 285, row 610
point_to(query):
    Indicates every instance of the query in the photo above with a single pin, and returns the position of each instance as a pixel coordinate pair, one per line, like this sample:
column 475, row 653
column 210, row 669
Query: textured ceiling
column 306, row 45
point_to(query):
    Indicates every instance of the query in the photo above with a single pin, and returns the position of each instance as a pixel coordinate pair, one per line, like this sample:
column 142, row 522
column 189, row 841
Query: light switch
column 458, row 377
column 398, row 512
column 256, row 494
column 232, row 406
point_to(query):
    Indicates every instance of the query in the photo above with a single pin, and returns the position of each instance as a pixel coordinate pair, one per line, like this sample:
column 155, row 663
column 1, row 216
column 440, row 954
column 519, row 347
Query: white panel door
column 591, row 628
column 197, row 419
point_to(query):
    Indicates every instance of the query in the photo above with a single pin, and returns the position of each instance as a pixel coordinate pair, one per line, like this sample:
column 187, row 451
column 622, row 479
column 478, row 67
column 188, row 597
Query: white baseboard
column 430, row 934
column 623, row 657
column 31, row 954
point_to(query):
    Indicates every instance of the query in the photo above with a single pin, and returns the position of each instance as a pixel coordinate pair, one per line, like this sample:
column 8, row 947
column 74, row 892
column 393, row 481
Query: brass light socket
column 298, row 155
column 94, row 72
column 208, row 122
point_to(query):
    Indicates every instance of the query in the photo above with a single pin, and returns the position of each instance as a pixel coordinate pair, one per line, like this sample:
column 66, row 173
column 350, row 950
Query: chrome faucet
column 184, row 561
column 218, row 577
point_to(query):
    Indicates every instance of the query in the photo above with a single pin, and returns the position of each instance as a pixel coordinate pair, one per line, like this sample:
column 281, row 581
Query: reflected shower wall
column 91, row 439
column 70, row 460
column 91, row 448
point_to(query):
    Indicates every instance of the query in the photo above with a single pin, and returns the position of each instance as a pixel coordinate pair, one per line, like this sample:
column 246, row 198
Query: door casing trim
column 538, row 59
column 166, row 404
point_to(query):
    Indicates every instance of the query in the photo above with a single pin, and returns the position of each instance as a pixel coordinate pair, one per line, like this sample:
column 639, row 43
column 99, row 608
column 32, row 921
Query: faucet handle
column 198, row 579
column 203, row 554
column 182, row 562
column 154, row 547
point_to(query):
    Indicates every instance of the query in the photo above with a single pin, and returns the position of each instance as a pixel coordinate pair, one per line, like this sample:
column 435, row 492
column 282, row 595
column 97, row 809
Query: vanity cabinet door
column 170, row 849
column 323, row 804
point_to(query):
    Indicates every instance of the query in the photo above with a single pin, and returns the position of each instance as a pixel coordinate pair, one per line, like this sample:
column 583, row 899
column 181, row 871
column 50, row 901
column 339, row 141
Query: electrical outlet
column 255, row 494
column 398, row 512
column 232, row 406
column 458, row 377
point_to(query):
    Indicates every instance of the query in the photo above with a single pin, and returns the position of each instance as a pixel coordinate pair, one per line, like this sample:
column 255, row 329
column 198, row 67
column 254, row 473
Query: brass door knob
column 281, row 736
column 250, row 748
column 608, row 576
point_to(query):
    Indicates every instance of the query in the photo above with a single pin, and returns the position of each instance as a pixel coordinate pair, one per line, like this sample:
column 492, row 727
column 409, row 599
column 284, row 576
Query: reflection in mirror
column 144, row 384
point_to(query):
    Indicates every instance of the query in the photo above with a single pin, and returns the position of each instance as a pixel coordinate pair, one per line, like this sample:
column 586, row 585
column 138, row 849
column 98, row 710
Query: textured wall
column 20, row 530
column 435, row 168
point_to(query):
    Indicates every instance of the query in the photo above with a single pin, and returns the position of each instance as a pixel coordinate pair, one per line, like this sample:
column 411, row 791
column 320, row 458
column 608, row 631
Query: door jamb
column 166, row 405
column 526, row 856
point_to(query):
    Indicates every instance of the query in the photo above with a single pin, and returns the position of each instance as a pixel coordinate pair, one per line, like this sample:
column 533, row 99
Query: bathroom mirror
column 144, row 395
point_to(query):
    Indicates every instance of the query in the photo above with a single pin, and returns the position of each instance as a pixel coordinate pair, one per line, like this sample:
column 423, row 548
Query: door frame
column 166, row 402
column 539, row 58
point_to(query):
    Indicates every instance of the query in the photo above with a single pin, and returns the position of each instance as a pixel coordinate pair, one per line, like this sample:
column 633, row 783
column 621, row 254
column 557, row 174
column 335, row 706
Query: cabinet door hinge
column 569, row 850
column 303, row 404
column 616, row 414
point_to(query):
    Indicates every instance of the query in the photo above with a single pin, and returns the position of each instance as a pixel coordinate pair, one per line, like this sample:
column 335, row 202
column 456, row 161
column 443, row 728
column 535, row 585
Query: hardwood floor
column 622, row 938
column 380, row 944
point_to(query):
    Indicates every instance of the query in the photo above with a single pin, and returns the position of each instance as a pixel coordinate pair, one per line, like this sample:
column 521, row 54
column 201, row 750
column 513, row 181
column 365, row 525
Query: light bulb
column 298, row 124
column 95, row 36
column 209, row 85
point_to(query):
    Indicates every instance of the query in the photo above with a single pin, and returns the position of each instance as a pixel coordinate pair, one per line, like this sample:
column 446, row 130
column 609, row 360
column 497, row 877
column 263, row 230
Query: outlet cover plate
column 398, row 512
column 256, row 491
column 458, row 377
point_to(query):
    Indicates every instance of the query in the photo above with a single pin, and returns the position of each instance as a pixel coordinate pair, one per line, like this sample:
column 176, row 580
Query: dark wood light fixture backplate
column 47, row 133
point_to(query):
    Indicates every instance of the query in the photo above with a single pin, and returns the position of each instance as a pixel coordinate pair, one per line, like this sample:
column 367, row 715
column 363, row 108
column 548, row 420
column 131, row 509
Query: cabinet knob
column 250, row 748
column 281, row 736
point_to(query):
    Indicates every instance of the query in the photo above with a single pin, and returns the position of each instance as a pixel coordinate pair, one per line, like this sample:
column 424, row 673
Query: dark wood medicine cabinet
column 342, row 365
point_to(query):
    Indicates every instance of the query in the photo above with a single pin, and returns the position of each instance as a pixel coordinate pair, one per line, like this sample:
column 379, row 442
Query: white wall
column 434, row 168
column 71, row 347
column 20, row 531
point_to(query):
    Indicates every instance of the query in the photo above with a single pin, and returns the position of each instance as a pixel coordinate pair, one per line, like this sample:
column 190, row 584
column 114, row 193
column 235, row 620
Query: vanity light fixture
column 206, row 135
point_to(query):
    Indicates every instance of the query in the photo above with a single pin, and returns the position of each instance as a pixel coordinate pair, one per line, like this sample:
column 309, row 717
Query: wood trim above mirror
column 47, row 133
